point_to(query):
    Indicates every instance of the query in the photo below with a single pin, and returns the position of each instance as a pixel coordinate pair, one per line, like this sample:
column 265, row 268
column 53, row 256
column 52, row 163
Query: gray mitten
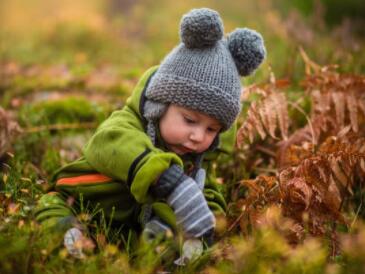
column 187, row 200
column 155, row 228
column 191, row 209
column 199, row 178
column 73, row 242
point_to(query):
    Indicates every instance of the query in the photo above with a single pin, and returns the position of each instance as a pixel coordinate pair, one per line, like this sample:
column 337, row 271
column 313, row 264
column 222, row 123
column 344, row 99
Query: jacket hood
column 137, row 98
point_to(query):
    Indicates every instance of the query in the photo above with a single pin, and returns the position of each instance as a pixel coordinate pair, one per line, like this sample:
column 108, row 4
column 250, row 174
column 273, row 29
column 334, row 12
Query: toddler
column 147, row 167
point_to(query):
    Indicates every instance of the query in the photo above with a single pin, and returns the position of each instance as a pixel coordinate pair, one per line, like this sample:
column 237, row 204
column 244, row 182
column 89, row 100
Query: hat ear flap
column 247, row 49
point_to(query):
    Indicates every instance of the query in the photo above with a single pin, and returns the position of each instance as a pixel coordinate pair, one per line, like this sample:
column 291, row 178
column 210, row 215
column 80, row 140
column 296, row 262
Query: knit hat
column 203, row 72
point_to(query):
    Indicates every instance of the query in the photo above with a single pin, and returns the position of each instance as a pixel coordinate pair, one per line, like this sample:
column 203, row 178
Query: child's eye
column 212, row 130
column 189, row 120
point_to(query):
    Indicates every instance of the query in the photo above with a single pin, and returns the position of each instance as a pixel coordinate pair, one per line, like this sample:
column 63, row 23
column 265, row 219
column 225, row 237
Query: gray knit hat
column 203, row 72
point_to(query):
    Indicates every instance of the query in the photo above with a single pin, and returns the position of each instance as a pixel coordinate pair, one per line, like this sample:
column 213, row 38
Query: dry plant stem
column 309, row 64
column 333, row 241
column 269, row 170
column 294, row 105
column 60, row 127
column 265, row 150
column 236, row 221
column 358, row 210
column 28, row 262
column 38, row 171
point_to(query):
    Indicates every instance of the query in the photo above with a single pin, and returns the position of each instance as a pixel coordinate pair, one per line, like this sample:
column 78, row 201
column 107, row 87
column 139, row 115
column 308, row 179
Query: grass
column 73, row 63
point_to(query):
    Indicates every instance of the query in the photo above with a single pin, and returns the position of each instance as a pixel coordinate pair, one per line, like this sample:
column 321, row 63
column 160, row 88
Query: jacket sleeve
column 121, row 149
column 52, row 210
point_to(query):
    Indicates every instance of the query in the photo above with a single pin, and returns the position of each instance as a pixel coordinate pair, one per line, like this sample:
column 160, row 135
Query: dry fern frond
column 339, row 102
column 282, row 114
column 318, row 185
column 338, row 106
column 297, row 192
column 261, row 192
column 320, row 165
column 297, row 147
column 265, row 117
column 338, row 99
column 352, row 107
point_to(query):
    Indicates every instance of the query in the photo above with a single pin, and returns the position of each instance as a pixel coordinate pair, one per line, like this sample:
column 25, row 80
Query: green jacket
column 120, row 163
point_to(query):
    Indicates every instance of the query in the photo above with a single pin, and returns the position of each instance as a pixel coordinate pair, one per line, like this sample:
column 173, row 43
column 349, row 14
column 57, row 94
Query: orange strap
column 84, row 179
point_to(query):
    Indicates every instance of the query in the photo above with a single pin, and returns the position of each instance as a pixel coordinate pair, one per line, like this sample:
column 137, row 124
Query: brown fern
column 318, row 166
column 261, row 192
column 338, row 100
column 317, row 187
column 312, row 192
column 265, row 117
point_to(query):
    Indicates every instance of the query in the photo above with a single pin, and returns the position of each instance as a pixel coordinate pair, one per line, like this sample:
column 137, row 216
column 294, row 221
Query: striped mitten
column 187, row 200
column 73, row 242
column 199, row 178
column 155, row 228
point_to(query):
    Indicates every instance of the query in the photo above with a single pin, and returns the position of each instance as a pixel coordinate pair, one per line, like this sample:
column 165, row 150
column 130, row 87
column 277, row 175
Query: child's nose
column 197, row 135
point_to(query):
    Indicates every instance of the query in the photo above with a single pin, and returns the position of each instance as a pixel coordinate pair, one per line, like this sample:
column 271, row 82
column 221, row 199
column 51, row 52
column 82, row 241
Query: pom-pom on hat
column 203, row 72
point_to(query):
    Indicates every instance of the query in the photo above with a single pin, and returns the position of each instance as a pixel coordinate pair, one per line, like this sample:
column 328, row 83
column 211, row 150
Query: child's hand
column 187, row 200
column 73, row 242
column 155, row 228
column 192, row 248
column 200, row 178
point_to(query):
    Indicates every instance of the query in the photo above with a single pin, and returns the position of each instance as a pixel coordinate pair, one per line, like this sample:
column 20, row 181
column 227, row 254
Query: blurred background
column 71, row 61
column 135, row 34
column 76, row 61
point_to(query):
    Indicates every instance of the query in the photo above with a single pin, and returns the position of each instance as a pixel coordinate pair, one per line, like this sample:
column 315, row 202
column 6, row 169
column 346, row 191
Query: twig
column 269, row 170
column 309, row 64
column 265, row 150
column 236, row 221
column 294, row 105
column 358, row 209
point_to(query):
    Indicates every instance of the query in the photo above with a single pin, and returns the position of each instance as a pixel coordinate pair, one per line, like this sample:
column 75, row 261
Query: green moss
column 51, row 160
column 67, row 110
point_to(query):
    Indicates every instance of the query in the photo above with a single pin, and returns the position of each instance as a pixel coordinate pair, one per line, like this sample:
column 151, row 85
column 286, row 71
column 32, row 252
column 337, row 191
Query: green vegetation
column 65, row 66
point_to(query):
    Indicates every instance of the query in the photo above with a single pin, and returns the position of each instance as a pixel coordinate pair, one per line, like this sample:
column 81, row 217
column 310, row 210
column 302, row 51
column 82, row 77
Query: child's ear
column 247, row 48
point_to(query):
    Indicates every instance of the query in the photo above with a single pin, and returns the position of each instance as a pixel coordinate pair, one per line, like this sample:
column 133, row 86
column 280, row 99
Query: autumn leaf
column 9, row 130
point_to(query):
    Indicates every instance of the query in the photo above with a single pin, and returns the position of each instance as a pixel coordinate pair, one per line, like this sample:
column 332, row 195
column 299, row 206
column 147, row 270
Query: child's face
column 187, row 131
